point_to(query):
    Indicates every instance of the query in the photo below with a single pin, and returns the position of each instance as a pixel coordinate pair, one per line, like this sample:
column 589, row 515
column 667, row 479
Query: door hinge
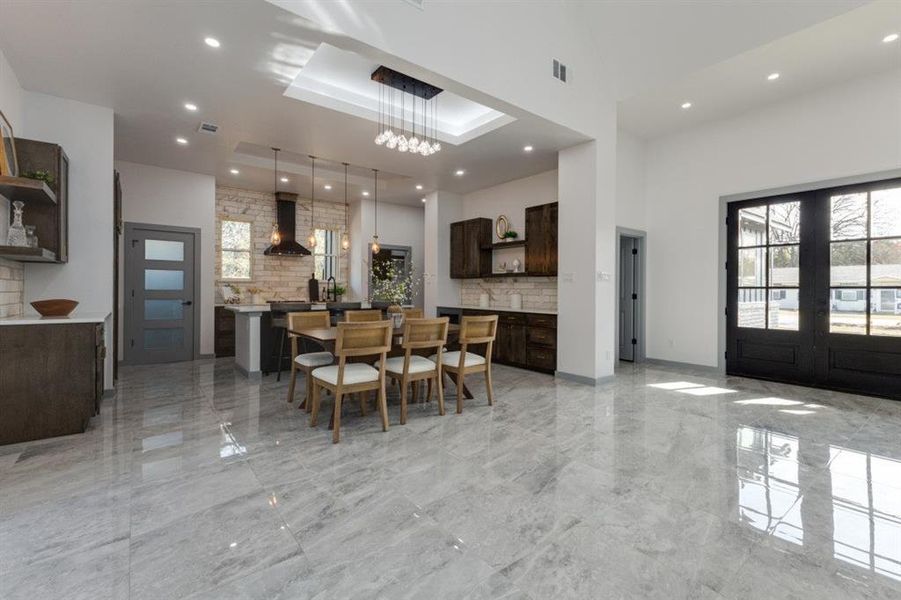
column 634, row 250
column 725, row 355
column 132, row 343
column 132, row 293
column 726, row 311
column 634, row 341
column 635, row 296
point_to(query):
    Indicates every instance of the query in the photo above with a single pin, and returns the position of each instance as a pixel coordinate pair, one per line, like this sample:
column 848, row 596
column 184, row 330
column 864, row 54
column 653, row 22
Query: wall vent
column 205, row 127
column 559, row 70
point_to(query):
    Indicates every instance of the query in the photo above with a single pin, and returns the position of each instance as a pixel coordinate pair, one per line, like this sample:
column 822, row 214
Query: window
column 236, row 249
column 325, row 254
column 769, row 265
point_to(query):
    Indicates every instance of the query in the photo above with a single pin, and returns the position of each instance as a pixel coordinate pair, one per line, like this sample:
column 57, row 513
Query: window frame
column 223, row 249
column 332, row 241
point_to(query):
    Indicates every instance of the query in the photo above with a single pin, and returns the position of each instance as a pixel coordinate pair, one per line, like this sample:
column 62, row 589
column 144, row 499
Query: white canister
column 484, row 301
column 516, row 301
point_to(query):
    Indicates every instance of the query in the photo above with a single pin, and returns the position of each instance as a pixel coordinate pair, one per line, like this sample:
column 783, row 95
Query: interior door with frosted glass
column 159, row 295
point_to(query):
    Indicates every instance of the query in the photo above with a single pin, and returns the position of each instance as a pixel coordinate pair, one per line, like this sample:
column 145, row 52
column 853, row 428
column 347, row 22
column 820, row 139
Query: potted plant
column 256, row 295
column 510, row 236
column 340, row 290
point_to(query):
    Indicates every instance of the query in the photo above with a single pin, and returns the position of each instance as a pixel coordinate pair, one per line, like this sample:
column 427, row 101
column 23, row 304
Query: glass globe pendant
column 414, row 144
column 403, row 145
column 345, row 242
column 345, row 237
column 275, row 238
column 391, row 143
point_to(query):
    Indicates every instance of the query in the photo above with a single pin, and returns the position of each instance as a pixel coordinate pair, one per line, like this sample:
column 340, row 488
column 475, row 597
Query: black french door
column 814, row 288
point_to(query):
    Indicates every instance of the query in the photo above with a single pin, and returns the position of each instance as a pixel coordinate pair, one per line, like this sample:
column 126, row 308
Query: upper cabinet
column 470, row 248
column 541, row 240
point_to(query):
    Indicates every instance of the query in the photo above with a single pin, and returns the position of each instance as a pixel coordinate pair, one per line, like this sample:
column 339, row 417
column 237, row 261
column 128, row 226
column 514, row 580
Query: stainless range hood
column 286, row 218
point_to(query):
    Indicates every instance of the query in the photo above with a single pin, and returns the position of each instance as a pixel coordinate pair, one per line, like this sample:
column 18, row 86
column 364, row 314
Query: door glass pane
column 885, row 262
column 848, row 263
column 752, row 308
column 784, row 266
column 783, row 309
column 785, row 222
column 162, row 279
column 886, row 212
column 163, row 250
column 849, row 216
column 885, row 314
column 848, row 311
column 164, row 339
column 155, row 310
column 752, row 226
column 750, row 267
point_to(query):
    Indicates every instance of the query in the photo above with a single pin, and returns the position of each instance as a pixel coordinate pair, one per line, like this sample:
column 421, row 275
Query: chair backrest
column 362, row 316
column 478, row 330
column 310, row 319
column 363, row 339
column 413, row 313
column 425, row 333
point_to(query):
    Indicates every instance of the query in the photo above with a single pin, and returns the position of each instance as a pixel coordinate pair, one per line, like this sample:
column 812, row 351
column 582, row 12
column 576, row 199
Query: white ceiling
column 833, row 51
column 145, row 59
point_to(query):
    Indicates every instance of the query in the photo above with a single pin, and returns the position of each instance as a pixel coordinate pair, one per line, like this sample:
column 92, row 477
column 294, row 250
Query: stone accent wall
column 12, row 288
column 280, row 278
column 539, row 293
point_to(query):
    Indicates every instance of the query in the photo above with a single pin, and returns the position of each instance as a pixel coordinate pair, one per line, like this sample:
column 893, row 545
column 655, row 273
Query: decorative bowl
column 57, row 307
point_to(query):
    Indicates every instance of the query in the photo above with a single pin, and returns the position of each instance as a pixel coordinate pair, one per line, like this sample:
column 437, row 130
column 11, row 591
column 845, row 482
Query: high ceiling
column 833, row 51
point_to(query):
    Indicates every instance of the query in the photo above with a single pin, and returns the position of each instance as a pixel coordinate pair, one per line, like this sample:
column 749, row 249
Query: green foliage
column 40, row 175
column 511, row 235
column 390, row 284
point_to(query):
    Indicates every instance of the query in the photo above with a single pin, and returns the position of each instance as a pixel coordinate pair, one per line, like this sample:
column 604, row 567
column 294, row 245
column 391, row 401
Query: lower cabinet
column 224, row 332
column 525, row 340
column 51, row 379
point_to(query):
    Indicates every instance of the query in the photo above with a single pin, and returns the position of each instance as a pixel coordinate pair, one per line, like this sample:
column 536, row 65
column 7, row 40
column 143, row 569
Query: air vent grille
column 206, row 127
column 559, row 71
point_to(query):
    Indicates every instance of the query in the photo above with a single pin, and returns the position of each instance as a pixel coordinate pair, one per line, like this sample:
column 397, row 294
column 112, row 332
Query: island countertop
column 76, row 317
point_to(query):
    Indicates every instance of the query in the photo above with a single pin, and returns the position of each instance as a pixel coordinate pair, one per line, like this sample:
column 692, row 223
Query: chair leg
column 459, row 393
column 280, row 354
column 364, row 400
column 403, row 402
column 440, row 385
column 383, row 405
column 314, row 400
column 416, row 392
column 293, row 381
column 428, row 393
column 308, row 399
column 488, row 386
column 336, row 434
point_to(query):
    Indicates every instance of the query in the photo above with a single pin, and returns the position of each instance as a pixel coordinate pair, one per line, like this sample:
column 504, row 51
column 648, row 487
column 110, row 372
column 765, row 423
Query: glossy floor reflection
column 195, row 483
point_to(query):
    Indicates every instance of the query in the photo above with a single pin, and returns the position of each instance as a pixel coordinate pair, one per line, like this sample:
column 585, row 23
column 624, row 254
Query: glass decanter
column 16, row 235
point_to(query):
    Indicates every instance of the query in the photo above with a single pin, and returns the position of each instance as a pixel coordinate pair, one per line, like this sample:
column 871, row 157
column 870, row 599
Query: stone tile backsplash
column 12, row 288
column 539, row 293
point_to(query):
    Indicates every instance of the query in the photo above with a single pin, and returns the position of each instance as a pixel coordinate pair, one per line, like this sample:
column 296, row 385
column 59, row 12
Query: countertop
column 255, row 308
column 76, row 317
column 534, row 311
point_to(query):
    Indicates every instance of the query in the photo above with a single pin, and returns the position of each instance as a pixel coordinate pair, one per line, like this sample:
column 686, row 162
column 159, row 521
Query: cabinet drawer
column 536, row 320
column 542, row 358
column 511, row 319
column 540, row 336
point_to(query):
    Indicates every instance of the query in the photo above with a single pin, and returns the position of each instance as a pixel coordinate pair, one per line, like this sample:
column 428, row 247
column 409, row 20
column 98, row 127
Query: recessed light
column 365, row 193
column 327, row 186
column 423, row 200
column 190, row 106
column 773, row 76
column 284, row 180
column 211, row 42
column 181, row 141
column 234, row 171
column 890, row 38
column 418, row 186
column 686, row 105
column 527, row 149
column 459, row 172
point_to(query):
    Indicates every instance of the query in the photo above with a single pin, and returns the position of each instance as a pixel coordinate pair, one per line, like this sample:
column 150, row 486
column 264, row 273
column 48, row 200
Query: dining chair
column 354, row 340
column 473, row 331
column 306, row 361
column 362, row 316
column 419, row 335
column 413, row 313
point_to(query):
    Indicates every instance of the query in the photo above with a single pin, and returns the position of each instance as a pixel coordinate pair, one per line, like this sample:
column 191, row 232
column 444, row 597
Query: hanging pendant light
column 345, row 237
column 375, row 237
column 311, row 241
column 275, row 238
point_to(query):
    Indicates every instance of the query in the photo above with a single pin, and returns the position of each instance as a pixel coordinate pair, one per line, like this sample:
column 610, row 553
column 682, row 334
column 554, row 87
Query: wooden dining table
column 326, row 336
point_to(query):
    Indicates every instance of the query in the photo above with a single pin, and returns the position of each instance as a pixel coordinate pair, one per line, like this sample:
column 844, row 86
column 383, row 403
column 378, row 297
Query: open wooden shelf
column 23, row 254
column 502, row 245
column 26, row 190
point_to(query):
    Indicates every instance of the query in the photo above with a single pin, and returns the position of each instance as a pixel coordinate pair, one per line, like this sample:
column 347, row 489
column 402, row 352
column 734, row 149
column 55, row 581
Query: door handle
column 187, row 303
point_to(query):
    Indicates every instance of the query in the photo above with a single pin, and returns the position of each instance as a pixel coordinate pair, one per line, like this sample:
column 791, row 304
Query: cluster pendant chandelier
column 399, row 95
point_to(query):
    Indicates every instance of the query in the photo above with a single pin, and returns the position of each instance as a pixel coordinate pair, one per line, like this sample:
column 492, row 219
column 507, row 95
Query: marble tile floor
column 662, row 483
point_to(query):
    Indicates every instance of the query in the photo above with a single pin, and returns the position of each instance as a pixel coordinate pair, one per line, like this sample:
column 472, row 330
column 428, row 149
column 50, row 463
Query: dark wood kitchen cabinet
column 51, row 379
column 470, row 248
column 541, row 239
column 224, row 332
column 525, row 340
column 50, row 220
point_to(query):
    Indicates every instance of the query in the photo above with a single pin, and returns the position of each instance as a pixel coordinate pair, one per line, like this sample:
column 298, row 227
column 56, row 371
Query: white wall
column 168, row 197
column 842, row 131
column 511, row 199
column 630, row 181
column 441, row 209
column 11, row 104
column 85, row 132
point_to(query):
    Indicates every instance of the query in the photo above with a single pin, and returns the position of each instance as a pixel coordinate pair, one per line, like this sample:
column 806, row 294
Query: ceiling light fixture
column 284, row 180
column 327, row 186
column 375, row 236
column 773, row 76
column 423, row 200
column 392, row 131
column 686, row 105
column 190, row 106
column 312, row 239
column 418, row 186
column 459, row 172
column 234, row 171
column 211, row 42
column 527, row 149
column 182, row 141
column 365, row 193
column 345, row 237
column 890, row 38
